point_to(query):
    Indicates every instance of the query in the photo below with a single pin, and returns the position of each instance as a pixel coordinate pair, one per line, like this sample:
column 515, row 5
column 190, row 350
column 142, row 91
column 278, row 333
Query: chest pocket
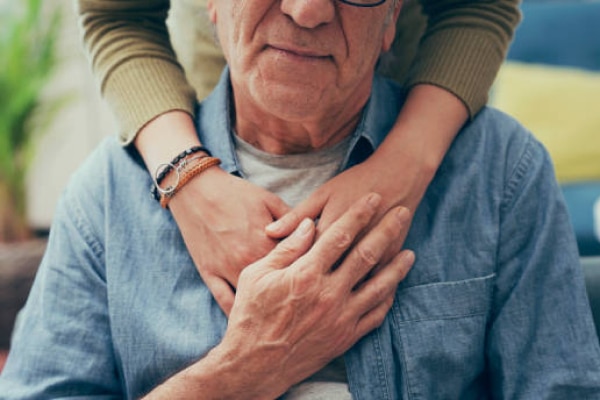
column 439, row 338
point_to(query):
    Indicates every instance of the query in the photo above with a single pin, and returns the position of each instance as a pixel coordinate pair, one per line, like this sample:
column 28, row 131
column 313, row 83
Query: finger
column 336, row 241
column 222, row 292
column 330, row 213
column 278, row 208
column 294, row 246
column 375, row 297
column 393, row 250
column 395, row 247
column 309, row 208
column 374, row 318
column 369, row 251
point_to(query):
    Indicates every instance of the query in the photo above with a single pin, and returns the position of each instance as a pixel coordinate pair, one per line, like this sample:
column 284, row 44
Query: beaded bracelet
column 163, row 169
column 202, row 165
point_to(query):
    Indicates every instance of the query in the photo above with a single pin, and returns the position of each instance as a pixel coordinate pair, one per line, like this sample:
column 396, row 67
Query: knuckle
column 287, row 248
column 341, row 239
column 364, row 214
column 328, row 299
column 392, row 229
column 303, row 282
column 366, row 255
column 379, row 291
column 384, row 292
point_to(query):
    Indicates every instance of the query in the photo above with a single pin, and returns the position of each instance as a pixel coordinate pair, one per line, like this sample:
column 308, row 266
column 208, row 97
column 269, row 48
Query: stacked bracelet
column 184, row 175
column 163, row 169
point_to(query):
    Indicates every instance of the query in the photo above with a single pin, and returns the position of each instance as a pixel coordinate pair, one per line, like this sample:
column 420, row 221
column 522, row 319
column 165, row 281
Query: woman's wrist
column 161, row 139
column 415, row 147
column 426, row 126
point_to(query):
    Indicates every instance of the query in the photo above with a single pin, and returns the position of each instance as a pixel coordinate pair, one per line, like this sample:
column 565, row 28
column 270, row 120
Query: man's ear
column 390, row 30
column 212, row 11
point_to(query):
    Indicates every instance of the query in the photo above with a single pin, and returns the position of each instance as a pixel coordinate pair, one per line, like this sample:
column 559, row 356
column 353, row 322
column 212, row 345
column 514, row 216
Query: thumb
column 309, row 208
column 293, row 247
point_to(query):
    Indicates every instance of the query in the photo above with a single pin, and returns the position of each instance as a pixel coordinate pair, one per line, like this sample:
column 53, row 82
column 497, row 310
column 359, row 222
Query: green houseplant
column 28, row 37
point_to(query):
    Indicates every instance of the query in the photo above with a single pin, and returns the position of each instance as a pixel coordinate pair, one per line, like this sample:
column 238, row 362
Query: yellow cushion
column 561, row 106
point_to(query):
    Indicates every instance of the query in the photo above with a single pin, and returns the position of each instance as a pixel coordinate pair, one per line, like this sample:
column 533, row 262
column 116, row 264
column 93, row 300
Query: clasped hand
column 224, row 229
column 310, row 299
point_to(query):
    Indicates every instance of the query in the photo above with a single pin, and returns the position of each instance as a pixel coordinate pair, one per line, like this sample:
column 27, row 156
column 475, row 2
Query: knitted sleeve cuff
column 463, row 61
column 135, row 102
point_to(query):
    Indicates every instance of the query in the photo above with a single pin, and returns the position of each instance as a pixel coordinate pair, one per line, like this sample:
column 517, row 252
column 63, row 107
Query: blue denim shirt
column 494, row 307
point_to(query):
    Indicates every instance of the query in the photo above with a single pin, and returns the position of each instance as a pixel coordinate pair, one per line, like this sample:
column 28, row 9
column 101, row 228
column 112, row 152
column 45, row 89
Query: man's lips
column 299, row 52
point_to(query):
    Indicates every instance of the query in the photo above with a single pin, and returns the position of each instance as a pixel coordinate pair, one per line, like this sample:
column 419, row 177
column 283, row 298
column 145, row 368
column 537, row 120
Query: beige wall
column 74, row 132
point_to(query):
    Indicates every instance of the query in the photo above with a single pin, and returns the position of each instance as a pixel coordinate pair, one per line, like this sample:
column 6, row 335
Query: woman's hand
column 222, row 218
column 334, row 198
column 400, row 170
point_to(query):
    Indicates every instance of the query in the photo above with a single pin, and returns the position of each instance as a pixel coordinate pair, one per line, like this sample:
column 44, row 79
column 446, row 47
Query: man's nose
column 309, row 13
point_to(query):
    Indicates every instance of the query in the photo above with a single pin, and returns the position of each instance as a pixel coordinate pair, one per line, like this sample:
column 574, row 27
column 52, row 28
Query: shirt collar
column 378, row 117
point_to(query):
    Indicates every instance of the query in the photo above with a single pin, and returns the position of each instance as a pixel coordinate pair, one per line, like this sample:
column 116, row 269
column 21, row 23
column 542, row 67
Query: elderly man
column 493, row 307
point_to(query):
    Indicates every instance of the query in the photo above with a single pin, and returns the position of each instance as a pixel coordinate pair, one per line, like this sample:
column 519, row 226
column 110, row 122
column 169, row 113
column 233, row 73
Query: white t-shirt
column 293, row 178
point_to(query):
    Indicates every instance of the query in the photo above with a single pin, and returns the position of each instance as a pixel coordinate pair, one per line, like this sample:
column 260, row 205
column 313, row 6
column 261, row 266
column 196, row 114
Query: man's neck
column 290, row 138
column 291, row 134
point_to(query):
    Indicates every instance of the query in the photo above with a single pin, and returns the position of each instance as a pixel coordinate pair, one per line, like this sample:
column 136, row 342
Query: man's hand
column 302, row 305
column 222, row 220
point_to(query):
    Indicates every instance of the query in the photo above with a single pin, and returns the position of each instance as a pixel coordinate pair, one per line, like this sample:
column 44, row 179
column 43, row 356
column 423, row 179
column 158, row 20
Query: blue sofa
column 565, row 35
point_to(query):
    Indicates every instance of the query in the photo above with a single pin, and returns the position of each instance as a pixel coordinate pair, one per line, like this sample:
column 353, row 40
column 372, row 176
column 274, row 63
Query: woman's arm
column 146, row 88
column 460, row 52
column 144, row 85
column 128, row 44
column 463, row 46
column 404, row 164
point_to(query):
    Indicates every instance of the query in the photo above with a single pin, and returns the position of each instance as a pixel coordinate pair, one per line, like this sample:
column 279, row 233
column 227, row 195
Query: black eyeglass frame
column 351, row 3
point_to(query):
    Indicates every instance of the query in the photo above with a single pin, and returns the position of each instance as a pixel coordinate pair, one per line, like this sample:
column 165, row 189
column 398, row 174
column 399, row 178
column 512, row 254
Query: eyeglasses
column 363, row 3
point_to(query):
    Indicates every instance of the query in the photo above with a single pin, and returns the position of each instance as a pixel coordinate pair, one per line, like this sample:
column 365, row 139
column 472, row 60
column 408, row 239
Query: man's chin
column 293, row 102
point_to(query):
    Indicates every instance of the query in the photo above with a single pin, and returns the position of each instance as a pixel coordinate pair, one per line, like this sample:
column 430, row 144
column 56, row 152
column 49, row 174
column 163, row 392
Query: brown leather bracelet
column 189, row 171
column 165, row 168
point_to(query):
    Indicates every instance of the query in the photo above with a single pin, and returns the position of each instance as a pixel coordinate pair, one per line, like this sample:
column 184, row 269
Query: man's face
column 300, row 59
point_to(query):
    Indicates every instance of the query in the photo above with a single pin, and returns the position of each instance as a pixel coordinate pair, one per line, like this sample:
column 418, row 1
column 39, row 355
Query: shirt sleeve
column 62, row 344
column 541, row 342
column 463, row 46
column 132, row 57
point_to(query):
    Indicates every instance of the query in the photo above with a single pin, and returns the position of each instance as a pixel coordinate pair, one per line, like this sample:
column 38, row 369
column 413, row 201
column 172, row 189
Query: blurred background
column 51, row 117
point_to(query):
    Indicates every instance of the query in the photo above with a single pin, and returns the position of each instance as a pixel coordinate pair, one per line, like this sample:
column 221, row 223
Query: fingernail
column 402, row 214
column 273, row 226
column 304, row 228
column 408, row 257
column 374, row 200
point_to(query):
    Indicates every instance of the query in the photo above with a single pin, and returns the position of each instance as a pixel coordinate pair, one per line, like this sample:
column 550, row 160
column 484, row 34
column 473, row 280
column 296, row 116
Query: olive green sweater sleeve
column 132, row 57
column 463, row 46
column 128, row 43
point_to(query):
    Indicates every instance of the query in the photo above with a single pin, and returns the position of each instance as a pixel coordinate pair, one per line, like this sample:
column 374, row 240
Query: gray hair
column 390, row 14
